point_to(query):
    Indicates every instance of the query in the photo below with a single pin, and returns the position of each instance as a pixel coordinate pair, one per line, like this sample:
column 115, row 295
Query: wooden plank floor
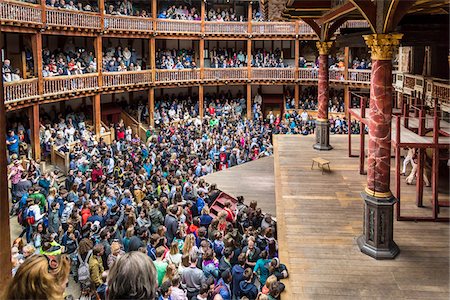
column 253, row 180
column 319, row 218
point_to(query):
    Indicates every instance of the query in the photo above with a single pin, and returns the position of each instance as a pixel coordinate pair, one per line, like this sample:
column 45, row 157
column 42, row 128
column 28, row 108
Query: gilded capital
column 383, row 46
column 324, row 47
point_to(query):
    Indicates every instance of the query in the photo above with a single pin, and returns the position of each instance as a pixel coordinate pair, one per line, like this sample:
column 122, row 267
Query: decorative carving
column 383, row 46
column 324, row 47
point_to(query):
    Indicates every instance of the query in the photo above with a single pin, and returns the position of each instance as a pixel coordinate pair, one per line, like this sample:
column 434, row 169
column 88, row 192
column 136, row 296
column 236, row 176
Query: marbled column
column 323, row 88
column 377, row 239
column 379, row 151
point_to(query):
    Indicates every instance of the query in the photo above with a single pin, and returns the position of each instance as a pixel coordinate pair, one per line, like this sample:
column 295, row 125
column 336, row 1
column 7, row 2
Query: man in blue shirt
column 12, row 142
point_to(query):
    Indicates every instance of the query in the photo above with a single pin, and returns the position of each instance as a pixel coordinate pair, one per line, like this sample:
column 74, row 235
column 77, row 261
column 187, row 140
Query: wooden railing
column 126, row 23
column 441, row 91
column 225, row 74
column 336, row 74
column 173, row 26
column 304, row 28
column 20, row 90
column 409, row 81
column 177, row 75
column 308, row 73
column 226, row 27
column 359, row 75
column 111, row 79
column 273, row 73
column 73, row 18
column 281, row 28
column 70, row 83
column 20, row 12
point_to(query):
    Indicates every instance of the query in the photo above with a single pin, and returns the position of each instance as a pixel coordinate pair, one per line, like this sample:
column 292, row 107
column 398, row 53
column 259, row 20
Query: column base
column 377, row 238
column 322, row 136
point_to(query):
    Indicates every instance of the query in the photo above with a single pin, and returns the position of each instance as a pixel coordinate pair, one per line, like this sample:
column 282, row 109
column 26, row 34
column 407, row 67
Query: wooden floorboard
column 319, row 218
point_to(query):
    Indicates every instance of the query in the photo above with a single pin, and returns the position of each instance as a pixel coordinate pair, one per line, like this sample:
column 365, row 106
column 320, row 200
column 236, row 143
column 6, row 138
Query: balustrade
column 177, row 75
column 304, row 28
column 70, row 83
column 273, row 73
column 266, row 28
column 308, row 73
column 226, row 74
column 336, row 74
column 72, row 18
column 362, row 76
column 409, row 82
column 125, row 23
column 441, row 91
column 20, row 90
column 20, row 12
column 111, row 79
column 226, row 27
column 174, row 26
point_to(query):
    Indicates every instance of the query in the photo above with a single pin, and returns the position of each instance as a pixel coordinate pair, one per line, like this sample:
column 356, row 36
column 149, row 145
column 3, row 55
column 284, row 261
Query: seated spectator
column 175, row 59
column 227, row 58
column 264, row 59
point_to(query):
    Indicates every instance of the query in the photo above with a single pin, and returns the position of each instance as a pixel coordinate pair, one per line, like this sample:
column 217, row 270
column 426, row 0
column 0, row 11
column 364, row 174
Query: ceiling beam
column 368, row 11
column 315, row 27
column 336, row 13
column 396, row 11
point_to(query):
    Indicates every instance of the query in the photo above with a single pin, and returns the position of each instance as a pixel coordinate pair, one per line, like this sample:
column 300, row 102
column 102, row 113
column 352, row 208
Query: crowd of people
column 223, row 15
column 308, row 99
column 147, row 196
column 227, row 58
column 175, row 59
column 180, row 13
column 172, row 108
column 73, row 5
column 266, row 59
column 70, row 60
column 118, row 59
column 126, row 8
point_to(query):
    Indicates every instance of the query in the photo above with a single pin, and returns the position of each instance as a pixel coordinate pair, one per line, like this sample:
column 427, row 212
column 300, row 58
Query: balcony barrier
column 273, row 28
column 174, row 26
column 20, row 90
column 308, row 73
column 226, row 74
column 70, row 83
column 336, row 74
column 177, row 75
column 112, row 79
column 360, row 76
column 304, row 28
column 441, row 91
column 73, row 18
column 20, row 12
column 226, row 27
column 273, row 73
column 126, row 23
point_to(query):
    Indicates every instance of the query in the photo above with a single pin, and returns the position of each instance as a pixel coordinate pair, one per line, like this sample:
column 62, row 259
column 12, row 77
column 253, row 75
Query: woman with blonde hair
column 171, row 272
column 174, row 255
column 189, row 245
column 40, row 277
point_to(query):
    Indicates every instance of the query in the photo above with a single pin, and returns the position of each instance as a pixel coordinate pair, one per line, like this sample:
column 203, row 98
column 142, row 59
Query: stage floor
column 319, row 218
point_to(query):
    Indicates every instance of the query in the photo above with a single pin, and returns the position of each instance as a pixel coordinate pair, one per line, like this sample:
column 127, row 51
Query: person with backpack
column 96, row 268
column 223, row 286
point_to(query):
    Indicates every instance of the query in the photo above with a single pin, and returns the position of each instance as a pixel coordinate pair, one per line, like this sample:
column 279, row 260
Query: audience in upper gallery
column 362, row 64
column 227, row 58
column 68, row 61
column 223, row 15
column 175, row 59
column 73, row 5
column 126, row 8
column 180, row 13
column 265, row 59
column 8, row 73
column 118, row 59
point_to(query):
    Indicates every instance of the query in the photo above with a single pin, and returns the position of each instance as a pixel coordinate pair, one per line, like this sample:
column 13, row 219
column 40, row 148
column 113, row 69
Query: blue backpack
column 31, row 217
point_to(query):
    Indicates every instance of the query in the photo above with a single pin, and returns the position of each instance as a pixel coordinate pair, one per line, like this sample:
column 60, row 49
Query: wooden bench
column 321, row 163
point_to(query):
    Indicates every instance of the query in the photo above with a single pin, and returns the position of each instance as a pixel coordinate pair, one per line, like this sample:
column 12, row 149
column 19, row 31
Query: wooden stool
column 321, row 163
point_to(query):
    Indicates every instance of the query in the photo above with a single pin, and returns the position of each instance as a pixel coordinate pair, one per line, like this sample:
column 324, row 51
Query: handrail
column 20, row 90
column 356, row 75
column 21, row 12
column 128, row 23
column 308, row 73
column 168, row 25
column 70, row 83
column 226, row 27
column 263, row 28
column 177, row 75
column 73, row 18
column 273, row 73
column 111, row 79
column 225, row 74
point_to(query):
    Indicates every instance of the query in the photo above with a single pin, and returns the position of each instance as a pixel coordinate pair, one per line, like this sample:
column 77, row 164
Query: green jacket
column 96, row 270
